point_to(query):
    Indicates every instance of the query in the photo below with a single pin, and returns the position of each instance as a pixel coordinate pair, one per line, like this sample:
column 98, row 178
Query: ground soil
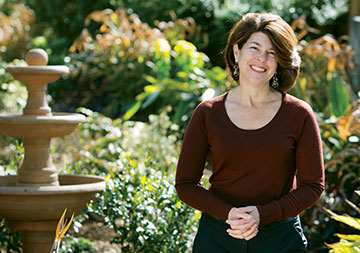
column 100, row 235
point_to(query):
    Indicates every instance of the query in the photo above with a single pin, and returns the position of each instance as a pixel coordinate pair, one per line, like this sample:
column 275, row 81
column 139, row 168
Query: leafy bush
column 13, row 94
column 145, row 212
column 182, row 87
column 324, row 80
column 126, row 60
column 341, row 137
column 348, row 243
column 108, row 69
column 9, row 240
column 140, row 202
column 100, row 143
column 77, row 245
column 321, row 14
column 15, row 25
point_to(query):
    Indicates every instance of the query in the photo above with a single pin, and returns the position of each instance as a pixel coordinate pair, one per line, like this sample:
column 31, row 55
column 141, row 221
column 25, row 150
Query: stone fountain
column 33, row 200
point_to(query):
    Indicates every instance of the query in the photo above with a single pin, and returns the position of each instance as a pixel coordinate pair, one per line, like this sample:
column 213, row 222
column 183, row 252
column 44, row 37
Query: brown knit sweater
column 278, row 168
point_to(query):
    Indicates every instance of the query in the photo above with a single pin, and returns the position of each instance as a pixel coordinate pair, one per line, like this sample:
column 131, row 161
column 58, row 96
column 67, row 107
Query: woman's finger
column 234, row 223
column 251, row 235
column 245, row 226
column 250, row 231
column 235, row 233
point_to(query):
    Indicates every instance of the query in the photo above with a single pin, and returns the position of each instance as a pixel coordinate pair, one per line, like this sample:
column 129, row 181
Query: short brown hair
column 282, row 38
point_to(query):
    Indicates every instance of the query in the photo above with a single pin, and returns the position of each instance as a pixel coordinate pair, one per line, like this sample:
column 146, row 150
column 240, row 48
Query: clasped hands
column 244, row 222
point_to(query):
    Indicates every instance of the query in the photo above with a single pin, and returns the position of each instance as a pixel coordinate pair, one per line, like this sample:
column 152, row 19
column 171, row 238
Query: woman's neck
column 251, row 96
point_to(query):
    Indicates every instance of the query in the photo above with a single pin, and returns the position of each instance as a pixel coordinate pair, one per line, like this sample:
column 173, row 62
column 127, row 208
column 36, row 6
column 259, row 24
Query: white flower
column 296, row 60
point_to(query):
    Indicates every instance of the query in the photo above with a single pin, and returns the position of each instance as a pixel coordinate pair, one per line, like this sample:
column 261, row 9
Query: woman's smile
column 258, row 68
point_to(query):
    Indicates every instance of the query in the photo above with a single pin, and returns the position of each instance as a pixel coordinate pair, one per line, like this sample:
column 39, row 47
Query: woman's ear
column 236, row 51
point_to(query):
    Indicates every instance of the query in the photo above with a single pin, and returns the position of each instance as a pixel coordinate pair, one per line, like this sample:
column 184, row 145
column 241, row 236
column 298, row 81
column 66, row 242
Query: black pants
column 278, row 237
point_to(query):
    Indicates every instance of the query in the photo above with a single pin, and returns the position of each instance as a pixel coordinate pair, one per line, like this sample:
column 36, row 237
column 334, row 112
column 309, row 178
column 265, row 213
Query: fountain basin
column 39, row 127
column 47, row 202
column 37, row 74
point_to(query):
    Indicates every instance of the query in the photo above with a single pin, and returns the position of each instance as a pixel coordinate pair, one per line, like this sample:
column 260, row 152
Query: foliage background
column 139, row 68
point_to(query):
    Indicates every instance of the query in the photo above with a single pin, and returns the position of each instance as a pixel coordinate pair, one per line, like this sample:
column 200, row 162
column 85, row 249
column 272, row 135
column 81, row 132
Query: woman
column 264, row 145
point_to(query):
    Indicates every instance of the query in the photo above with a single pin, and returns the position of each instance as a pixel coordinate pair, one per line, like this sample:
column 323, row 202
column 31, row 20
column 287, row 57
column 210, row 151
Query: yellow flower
column 150, row 187
column 197, row 216
column 107, row 178
column 326, row 134
column 143, row 180
column 132, row 163
column 178, row 204
column 184, row 46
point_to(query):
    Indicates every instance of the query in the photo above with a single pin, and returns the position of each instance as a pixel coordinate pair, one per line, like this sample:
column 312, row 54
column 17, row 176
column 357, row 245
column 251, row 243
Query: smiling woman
column 264, row 146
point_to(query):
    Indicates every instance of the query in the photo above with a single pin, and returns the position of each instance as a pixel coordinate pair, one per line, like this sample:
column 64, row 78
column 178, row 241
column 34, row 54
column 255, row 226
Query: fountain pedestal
column 33, row 201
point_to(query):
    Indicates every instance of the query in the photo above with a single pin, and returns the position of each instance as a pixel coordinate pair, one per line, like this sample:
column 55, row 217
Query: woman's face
column 256, row 59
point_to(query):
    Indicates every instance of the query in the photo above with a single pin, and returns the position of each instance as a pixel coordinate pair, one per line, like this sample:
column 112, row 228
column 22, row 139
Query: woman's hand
column 244, row 222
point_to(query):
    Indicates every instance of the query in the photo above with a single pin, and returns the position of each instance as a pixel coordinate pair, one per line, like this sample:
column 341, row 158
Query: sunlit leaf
column 339, row 97
column 151, row 79
column 142, row 96
column 353, row 222
column 349, row 237
column 151, row 88
column 331, row 65
column 302, row 84
column 343, row 127
column 136, row 106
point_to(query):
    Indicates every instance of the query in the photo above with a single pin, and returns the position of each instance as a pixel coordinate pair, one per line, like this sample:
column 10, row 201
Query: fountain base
column 35, row 211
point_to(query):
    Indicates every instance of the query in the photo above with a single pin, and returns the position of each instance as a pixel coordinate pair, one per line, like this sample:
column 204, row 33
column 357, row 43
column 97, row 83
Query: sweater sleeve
column 191, row 166
column 310, row 176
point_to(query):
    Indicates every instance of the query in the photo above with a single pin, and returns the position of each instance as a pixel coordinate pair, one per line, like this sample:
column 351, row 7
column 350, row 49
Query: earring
column 275, row 82
column 236, row 70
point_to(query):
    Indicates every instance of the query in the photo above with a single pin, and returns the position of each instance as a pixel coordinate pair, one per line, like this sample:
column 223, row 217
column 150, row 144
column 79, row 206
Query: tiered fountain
column 33, row 200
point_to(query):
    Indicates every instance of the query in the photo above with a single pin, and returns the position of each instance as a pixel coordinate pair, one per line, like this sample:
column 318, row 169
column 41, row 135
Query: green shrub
column 9, row 240
column 140, row 202
column 145, row 212
column 15, row 25
column 128, row 68
column 324, row 80
column 100, row 143
column 341, row 139
column 108, row 69
column 348, row 243
column 13, row 94
column 77, row 245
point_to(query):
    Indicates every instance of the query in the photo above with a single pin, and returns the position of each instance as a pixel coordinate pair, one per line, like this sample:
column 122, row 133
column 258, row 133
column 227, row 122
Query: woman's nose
column 263, row 56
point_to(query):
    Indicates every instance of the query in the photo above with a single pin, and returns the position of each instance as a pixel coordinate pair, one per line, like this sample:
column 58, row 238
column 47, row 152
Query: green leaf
column 339, row 97
column 302, row 84
column 349, row 237
column 142, row 96
column 151, row 88
column 342, row 248
column 150, row 79
column 353, row 222
column 133, row 109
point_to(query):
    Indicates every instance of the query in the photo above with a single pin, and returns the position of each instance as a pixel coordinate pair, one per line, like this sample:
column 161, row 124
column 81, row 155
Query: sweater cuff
column 269, row 213
column 222, row 213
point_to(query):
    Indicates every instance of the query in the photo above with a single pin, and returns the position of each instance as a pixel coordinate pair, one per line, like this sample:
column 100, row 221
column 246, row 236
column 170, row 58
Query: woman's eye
column 272, row 53
column 253, row 48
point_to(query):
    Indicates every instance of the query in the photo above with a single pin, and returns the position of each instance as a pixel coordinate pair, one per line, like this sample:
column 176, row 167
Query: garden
column 138, row 69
